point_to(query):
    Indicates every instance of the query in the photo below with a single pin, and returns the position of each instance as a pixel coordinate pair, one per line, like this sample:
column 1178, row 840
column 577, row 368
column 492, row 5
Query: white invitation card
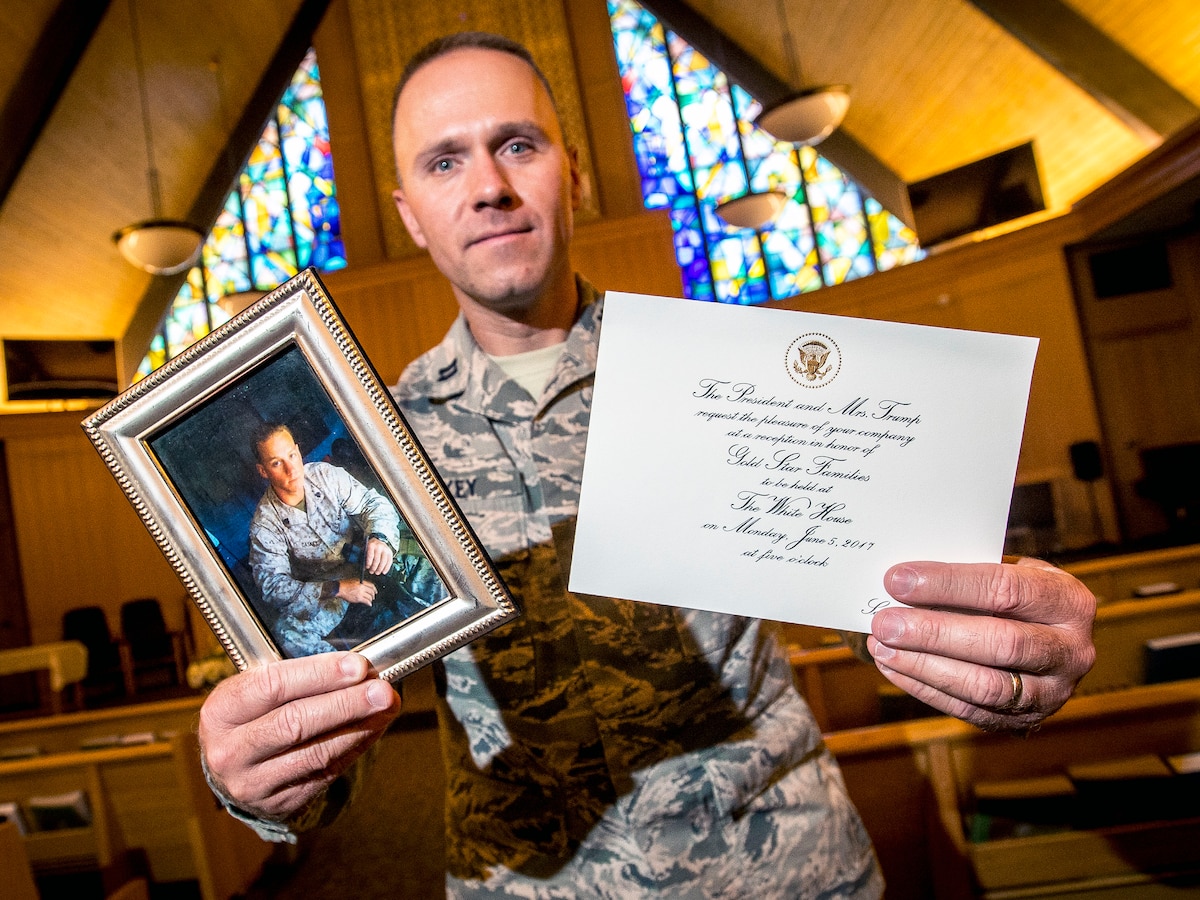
column 774, row 464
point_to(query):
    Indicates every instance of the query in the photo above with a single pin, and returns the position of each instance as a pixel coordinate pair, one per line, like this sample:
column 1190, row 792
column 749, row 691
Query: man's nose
column 491, row 187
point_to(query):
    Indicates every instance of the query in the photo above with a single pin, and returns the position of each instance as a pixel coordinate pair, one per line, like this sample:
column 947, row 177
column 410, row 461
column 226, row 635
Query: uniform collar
column 461, row 372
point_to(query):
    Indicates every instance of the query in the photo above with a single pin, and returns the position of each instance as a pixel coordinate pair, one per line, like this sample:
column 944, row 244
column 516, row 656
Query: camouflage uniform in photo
column 600, row 747
column 295, row 554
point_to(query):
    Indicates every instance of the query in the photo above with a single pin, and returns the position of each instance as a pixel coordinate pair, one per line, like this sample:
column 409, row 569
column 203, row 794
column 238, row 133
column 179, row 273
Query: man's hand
column 379, row 556
column 1006, row 669
column 355, row 591
column 275, row 736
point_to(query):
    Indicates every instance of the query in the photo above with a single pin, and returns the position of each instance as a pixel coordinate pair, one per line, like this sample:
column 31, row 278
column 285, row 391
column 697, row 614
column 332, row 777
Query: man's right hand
column 355, row 591
column 276, row 736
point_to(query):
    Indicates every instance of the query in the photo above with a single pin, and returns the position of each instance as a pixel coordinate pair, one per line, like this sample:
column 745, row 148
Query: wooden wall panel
column 80, row 541
column 1145, row 350
column 636, row 254
column 618, row 184
column 399, row 310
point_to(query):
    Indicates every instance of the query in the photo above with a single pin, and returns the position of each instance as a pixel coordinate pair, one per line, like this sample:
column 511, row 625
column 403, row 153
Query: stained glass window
column 281, row 216
column 696, row 147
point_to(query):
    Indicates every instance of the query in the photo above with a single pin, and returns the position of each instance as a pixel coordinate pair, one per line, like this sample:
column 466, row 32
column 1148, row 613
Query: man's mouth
column 499, row 234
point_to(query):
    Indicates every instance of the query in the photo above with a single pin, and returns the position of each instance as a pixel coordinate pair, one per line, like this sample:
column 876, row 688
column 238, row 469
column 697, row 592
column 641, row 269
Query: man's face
column 487, row 184
column 279, row 462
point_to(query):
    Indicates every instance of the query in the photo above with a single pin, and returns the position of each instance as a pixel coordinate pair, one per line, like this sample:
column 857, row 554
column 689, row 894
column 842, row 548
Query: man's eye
column 443, row 165
column 518, row 147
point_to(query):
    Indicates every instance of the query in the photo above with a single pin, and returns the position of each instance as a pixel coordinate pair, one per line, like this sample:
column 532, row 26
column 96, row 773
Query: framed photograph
column 289, row 495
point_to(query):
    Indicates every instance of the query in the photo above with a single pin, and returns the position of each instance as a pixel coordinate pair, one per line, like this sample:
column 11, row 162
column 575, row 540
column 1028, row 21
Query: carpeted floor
column 388, row 844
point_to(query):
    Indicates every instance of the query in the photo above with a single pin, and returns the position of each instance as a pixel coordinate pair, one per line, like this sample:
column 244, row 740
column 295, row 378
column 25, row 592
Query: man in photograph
column 316, row 535
column 598, row 747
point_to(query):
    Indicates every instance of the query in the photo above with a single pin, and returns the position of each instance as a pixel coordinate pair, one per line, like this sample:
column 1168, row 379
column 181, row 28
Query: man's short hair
column 468, row 40
column 264, row 433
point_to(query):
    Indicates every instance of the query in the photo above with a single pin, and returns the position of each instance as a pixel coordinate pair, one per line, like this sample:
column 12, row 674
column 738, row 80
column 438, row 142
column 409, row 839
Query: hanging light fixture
column 752, row 209
column 804, row 117
column 808, row 115
column 156, row 245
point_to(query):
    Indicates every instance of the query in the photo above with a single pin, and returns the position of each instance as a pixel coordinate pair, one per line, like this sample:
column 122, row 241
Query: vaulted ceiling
column 935, row 84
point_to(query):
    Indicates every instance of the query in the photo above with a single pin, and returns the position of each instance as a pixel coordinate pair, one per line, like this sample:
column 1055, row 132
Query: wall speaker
column 1133, row 269
column 1085, row 460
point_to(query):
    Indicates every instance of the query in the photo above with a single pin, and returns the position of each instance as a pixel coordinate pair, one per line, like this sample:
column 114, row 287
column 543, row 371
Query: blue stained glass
column 693, row 136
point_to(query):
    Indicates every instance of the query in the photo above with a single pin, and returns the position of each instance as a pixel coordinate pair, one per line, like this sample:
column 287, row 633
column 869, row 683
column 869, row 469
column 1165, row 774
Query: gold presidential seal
column 813, row 360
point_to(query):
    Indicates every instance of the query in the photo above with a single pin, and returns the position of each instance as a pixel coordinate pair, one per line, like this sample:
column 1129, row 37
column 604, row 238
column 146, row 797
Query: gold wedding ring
column 1018, row 688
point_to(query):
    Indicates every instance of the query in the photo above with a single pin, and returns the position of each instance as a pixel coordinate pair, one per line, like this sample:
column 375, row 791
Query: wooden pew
column 1113, row 578
column 1122, row 629
column 845, row 692
column 150, row 796
column 69, row 731
column 913, row 782
column 16, row 874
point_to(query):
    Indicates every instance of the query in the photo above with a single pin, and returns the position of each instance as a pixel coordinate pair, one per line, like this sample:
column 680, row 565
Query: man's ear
column 262, row 470
column 410, row 221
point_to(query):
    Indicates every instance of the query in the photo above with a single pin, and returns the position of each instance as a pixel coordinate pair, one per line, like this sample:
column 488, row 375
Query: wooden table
column 65, row 662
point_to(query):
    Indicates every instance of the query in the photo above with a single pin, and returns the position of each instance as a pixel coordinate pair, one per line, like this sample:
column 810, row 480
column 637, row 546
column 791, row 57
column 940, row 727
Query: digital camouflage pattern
column 296, row 554
column 601, row 747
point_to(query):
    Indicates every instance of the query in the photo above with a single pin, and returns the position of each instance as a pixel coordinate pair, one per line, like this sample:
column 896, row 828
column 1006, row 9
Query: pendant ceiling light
column 752, row 209
column 806, row 116
column 809, row 115
column 156, row 245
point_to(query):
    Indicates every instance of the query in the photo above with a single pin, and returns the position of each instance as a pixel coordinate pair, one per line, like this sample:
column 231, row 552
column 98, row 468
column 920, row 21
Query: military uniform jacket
column 295, row 552
column 585, row 703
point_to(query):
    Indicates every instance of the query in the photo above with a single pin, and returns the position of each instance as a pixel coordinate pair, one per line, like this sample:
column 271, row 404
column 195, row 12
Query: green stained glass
column 788, row 243
column 154, row 358
column 308, row 163
column 839, row 220
column 187, row 323
column 894, row 242
column 224, row 256
column 266, row 214
column 719, row 173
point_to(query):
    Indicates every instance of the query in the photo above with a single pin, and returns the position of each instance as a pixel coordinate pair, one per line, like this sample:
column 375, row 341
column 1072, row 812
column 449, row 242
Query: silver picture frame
column 179, row 443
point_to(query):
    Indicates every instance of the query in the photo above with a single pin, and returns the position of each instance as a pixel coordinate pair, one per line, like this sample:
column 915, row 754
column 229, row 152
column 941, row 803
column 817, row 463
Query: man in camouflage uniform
column 310, row 578
column 628, row 747
column 597, row 747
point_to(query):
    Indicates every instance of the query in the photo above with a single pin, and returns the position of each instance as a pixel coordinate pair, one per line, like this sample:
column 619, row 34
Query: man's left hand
column 1008, row 668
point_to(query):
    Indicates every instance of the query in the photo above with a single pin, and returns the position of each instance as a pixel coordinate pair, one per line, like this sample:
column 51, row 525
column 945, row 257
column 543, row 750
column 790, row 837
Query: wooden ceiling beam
column 871, row 173
column 1114, row 77
column 43, row 78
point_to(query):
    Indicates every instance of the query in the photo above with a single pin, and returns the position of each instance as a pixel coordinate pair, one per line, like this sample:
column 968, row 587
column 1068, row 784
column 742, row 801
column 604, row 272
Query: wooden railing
column 148, row 794
column 913, row 782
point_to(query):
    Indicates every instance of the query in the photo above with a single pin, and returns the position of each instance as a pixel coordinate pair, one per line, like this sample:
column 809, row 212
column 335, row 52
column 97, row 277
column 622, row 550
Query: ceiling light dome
column 160, row 246
column 808, row 116
column 157, row 245
column 753, row 209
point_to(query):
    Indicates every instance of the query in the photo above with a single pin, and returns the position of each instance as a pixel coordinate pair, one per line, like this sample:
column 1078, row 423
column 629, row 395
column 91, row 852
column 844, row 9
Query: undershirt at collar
column 531, row 369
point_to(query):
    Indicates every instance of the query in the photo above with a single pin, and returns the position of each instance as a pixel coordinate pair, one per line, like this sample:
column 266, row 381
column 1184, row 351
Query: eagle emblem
column 811, row 364
column 813, row 360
